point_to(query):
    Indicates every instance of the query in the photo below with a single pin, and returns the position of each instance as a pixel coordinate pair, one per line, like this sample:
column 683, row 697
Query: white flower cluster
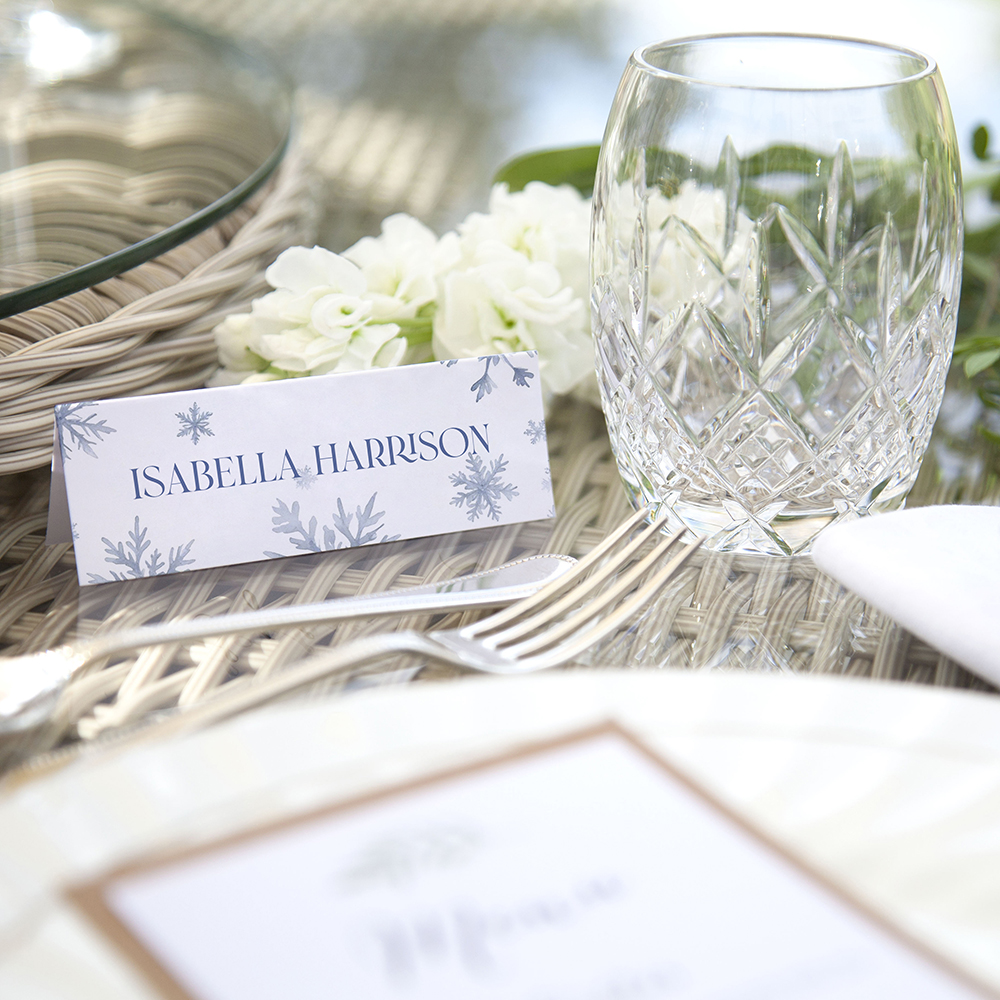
column 513, row 279
column 337, row 312
column 522, row 283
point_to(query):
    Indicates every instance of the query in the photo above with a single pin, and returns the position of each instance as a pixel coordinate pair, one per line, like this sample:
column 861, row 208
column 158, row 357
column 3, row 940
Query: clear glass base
column 733, row 528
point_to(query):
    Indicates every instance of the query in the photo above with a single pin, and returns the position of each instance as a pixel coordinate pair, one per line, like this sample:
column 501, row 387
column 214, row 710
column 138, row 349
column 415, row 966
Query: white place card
column 588, row 869
column 210, row 477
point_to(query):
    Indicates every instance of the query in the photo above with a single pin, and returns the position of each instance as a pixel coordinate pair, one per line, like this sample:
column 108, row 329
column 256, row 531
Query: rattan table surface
column 724, row 612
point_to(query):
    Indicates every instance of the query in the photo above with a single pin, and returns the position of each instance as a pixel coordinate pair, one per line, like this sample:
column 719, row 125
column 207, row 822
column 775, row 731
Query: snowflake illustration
column 130, row 555
column 535, row 431
column 481, row 488
column 288, row 521
column 484, row 385
column 194, row 423
column 306, row 478
column 77, row 431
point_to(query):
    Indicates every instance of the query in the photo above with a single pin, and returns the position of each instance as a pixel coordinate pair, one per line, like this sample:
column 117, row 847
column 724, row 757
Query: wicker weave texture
column 724, row 611
column 147, row 330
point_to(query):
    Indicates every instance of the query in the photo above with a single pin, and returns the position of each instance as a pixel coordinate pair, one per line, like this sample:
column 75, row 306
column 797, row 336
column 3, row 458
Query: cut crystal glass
column 775, row 281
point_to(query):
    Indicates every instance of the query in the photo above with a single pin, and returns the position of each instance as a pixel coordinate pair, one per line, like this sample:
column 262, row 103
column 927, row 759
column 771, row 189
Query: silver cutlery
column 31, row 683
column 550, row 628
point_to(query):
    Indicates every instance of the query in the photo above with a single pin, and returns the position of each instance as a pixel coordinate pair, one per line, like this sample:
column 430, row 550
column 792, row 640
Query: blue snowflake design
column 194, row 423
column 306, row 478
column 288, row 521
column 131, row 556
column 535, row 431
column 484, row 385
column 481, row 488
column 79, row 431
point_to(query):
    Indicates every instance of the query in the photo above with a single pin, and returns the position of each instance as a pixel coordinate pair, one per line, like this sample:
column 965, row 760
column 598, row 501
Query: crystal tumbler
column 776, row 259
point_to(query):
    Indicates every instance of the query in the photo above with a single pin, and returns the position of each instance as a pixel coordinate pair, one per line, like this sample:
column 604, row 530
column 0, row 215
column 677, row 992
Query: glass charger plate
column 122, row 135
column 891, row 789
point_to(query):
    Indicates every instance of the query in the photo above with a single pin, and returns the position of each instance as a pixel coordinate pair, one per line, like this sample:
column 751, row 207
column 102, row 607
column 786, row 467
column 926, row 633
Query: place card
column 187, row 480
column 585, row 869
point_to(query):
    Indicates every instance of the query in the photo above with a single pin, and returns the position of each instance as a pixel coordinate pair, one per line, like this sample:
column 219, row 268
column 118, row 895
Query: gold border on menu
column 90, row 897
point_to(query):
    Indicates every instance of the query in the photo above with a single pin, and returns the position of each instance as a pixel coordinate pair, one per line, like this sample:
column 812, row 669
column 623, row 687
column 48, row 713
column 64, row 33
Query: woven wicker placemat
column 724, row 611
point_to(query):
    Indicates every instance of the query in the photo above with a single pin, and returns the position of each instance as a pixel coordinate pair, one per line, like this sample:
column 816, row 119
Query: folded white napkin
column 935, row 570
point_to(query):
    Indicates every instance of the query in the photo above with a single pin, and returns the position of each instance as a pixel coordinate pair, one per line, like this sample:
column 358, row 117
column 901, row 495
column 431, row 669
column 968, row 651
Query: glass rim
column 639, row 58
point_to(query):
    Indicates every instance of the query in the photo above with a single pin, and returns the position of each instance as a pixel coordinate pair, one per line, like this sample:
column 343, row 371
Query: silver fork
column 30, row 683
column 534, row 634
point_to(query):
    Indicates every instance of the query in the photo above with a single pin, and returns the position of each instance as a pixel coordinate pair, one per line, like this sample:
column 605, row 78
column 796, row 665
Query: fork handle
column 486, row 589
column 235, row 698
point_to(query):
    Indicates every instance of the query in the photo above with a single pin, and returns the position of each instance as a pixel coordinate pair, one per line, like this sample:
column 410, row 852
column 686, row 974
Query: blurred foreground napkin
column 935, row 570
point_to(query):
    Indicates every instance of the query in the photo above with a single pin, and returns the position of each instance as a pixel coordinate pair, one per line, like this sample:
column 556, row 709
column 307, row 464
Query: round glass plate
column 122, row 135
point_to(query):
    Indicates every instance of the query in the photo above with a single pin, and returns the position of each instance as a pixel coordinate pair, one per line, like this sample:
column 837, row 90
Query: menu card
column 586, row 869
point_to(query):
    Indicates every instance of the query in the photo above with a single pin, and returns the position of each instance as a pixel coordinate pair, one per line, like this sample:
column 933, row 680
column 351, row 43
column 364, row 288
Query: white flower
column 232, row 337
column 317, row 320
column 543, row 222
column 511, row 280
column 336, row 316
column 401, row 266
column 522, row 283
column 505, row 302
column 688, row 256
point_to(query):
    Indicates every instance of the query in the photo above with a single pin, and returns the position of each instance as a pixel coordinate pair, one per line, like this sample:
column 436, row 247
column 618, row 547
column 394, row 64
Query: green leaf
column 975, row 363
column 981, row 142
column 983, row 241
column 990, row 436
column 990, row 395
column 576, row 165
column 984, row 339
column 981, row 267
column 782, row 159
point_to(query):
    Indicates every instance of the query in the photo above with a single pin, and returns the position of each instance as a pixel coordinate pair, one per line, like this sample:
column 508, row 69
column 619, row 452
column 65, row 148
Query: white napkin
column 935, row 570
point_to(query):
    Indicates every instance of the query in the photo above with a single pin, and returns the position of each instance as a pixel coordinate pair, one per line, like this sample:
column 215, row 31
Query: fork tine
column 557, row 586
column 584, row 614
column 588, row 636
column 587, row 586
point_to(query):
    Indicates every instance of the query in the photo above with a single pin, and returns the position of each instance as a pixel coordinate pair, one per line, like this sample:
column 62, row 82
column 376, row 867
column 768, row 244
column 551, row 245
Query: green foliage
column 576, row 165
column 981, row 143
column 977, row 347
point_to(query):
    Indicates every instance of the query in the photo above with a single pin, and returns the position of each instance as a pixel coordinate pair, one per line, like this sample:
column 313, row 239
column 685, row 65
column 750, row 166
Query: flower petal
column 301, row 269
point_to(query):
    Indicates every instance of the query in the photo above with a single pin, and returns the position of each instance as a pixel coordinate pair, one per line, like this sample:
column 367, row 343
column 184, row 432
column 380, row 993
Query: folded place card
column 587, row 869
column 187, row 480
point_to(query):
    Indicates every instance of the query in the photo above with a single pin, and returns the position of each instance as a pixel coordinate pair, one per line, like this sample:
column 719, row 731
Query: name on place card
column 588, row 869
column 210, row 477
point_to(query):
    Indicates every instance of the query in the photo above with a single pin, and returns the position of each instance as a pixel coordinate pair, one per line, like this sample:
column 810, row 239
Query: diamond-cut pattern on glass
column 756, row 453
column 700, row 373
column 783, row 369
column 825, row 378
